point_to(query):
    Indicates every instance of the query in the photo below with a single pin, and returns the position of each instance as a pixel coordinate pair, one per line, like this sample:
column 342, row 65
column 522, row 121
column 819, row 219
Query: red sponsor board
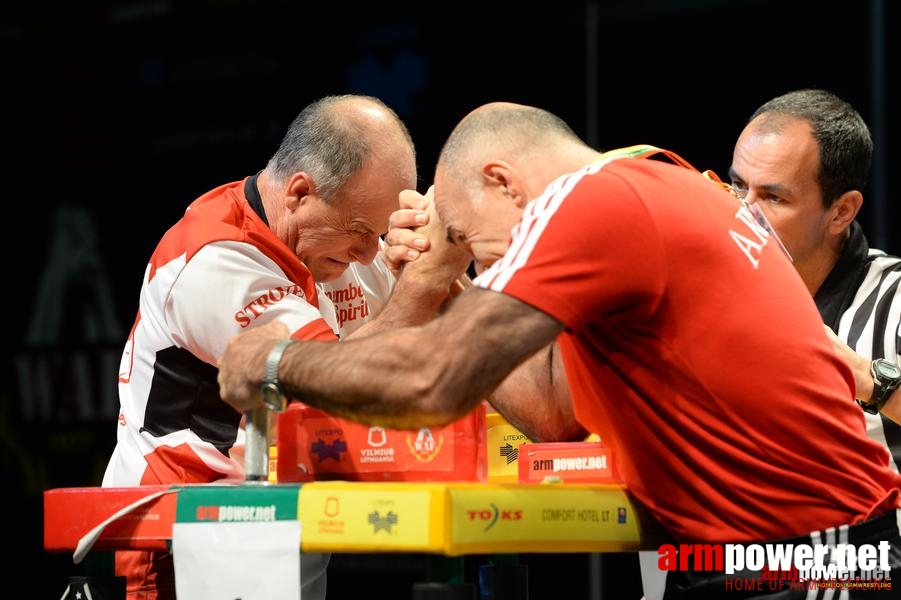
column 313, row 445
column 566, row 462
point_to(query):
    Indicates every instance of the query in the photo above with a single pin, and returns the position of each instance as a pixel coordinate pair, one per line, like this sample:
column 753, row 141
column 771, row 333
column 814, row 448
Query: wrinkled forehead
column 373, row 193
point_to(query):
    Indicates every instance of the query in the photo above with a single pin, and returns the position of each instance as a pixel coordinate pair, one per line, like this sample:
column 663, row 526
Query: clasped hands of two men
column 415, row 233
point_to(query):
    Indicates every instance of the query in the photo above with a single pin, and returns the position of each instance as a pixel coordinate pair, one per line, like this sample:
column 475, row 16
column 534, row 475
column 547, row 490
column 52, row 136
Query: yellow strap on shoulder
column 647, row 151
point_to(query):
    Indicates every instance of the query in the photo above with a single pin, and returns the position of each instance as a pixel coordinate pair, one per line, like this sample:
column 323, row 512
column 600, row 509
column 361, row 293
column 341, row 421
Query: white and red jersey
column 357, row 295
column 692, row 346
column 217, row 272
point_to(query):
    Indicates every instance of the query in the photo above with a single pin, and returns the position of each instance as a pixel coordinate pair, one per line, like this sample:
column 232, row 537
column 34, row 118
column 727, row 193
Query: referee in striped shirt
column 804, row 158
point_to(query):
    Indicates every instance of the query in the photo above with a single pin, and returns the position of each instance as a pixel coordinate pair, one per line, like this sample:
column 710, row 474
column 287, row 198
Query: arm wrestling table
column 450, row 519
column 443, row 519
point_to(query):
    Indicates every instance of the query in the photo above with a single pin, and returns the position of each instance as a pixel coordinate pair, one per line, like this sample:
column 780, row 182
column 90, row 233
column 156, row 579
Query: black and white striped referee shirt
column 861, row 301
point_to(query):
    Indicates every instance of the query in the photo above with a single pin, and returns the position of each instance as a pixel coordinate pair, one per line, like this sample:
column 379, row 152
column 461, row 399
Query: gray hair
column 329, row 143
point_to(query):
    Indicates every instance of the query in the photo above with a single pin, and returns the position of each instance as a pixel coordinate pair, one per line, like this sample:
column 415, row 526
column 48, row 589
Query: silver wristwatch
column 271, row 391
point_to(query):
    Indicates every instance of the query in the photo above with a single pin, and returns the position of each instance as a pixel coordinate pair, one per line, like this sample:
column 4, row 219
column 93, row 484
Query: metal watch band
column 270, row 375
column 270, row 385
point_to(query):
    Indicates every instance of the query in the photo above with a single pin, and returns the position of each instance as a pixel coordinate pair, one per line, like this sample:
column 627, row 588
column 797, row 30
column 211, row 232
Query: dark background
column 118, row 114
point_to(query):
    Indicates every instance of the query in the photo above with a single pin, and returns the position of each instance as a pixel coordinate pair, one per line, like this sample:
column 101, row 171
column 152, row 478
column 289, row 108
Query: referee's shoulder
column 882, row 260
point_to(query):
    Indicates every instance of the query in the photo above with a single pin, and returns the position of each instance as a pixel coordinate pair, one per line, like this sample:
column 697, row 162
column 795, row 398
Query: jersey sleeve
column 585, row 248
column 229, row 287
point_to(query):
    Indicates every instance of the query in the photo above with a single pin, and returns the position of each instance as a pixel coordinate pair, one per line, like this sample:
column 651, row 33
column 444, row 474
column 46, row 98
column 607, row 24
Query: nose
column 365, row 248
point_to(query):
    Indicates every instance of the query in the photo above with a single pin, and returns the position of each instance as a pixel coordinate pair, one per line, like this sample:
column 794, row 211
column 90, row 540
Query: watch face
column 888, row 369
column 272, row 397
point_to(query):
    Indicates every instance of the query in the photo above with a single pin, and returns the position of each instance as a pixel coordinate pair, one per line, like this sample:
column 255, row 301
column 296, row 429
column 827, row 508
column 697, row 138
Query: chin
column 331, row 273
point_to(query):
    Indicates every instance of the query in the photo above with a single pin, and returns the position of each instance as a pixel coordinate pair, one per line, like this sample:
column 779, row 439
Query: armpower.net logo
column 785, row 566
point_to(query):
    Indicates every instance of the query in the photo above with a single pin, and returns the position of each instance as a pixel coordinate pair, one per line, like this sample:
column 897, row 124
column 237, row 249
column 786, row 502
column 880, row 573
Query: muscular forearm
column 419, row 376
column 535, row 399
column 359, row 379
column 415, row 300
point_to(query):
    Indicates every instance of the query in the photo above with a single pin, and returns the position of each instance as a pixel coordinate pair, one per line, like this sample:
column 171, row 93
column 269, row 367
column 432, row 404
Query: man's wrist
column 271, row 390
column 886, row 379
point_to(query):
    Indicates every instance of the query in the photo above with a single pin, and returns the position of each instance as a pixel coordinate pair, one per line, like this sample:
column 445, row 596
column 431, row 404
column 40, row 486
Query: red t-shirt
column 693, row 348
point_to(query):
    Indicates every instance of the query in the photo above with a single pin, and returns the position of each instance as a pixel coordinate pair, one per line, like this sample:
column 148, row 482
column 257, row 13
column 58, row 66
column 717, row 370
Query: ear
column 502, row 176
column 844, row 210
column 300, row 189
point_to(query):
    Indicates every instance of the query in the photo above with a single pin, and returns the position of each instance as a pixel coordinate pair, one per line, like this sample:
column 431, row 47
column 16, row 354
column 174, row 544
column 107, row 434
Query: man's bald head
column 502, row 130
column 495, row 161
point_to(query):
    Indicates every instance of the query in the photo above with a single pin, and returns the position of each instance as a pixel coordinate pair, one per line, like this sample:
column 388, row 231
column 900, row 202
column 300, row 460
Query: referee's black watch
column 886, row 379
column 271, row 390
